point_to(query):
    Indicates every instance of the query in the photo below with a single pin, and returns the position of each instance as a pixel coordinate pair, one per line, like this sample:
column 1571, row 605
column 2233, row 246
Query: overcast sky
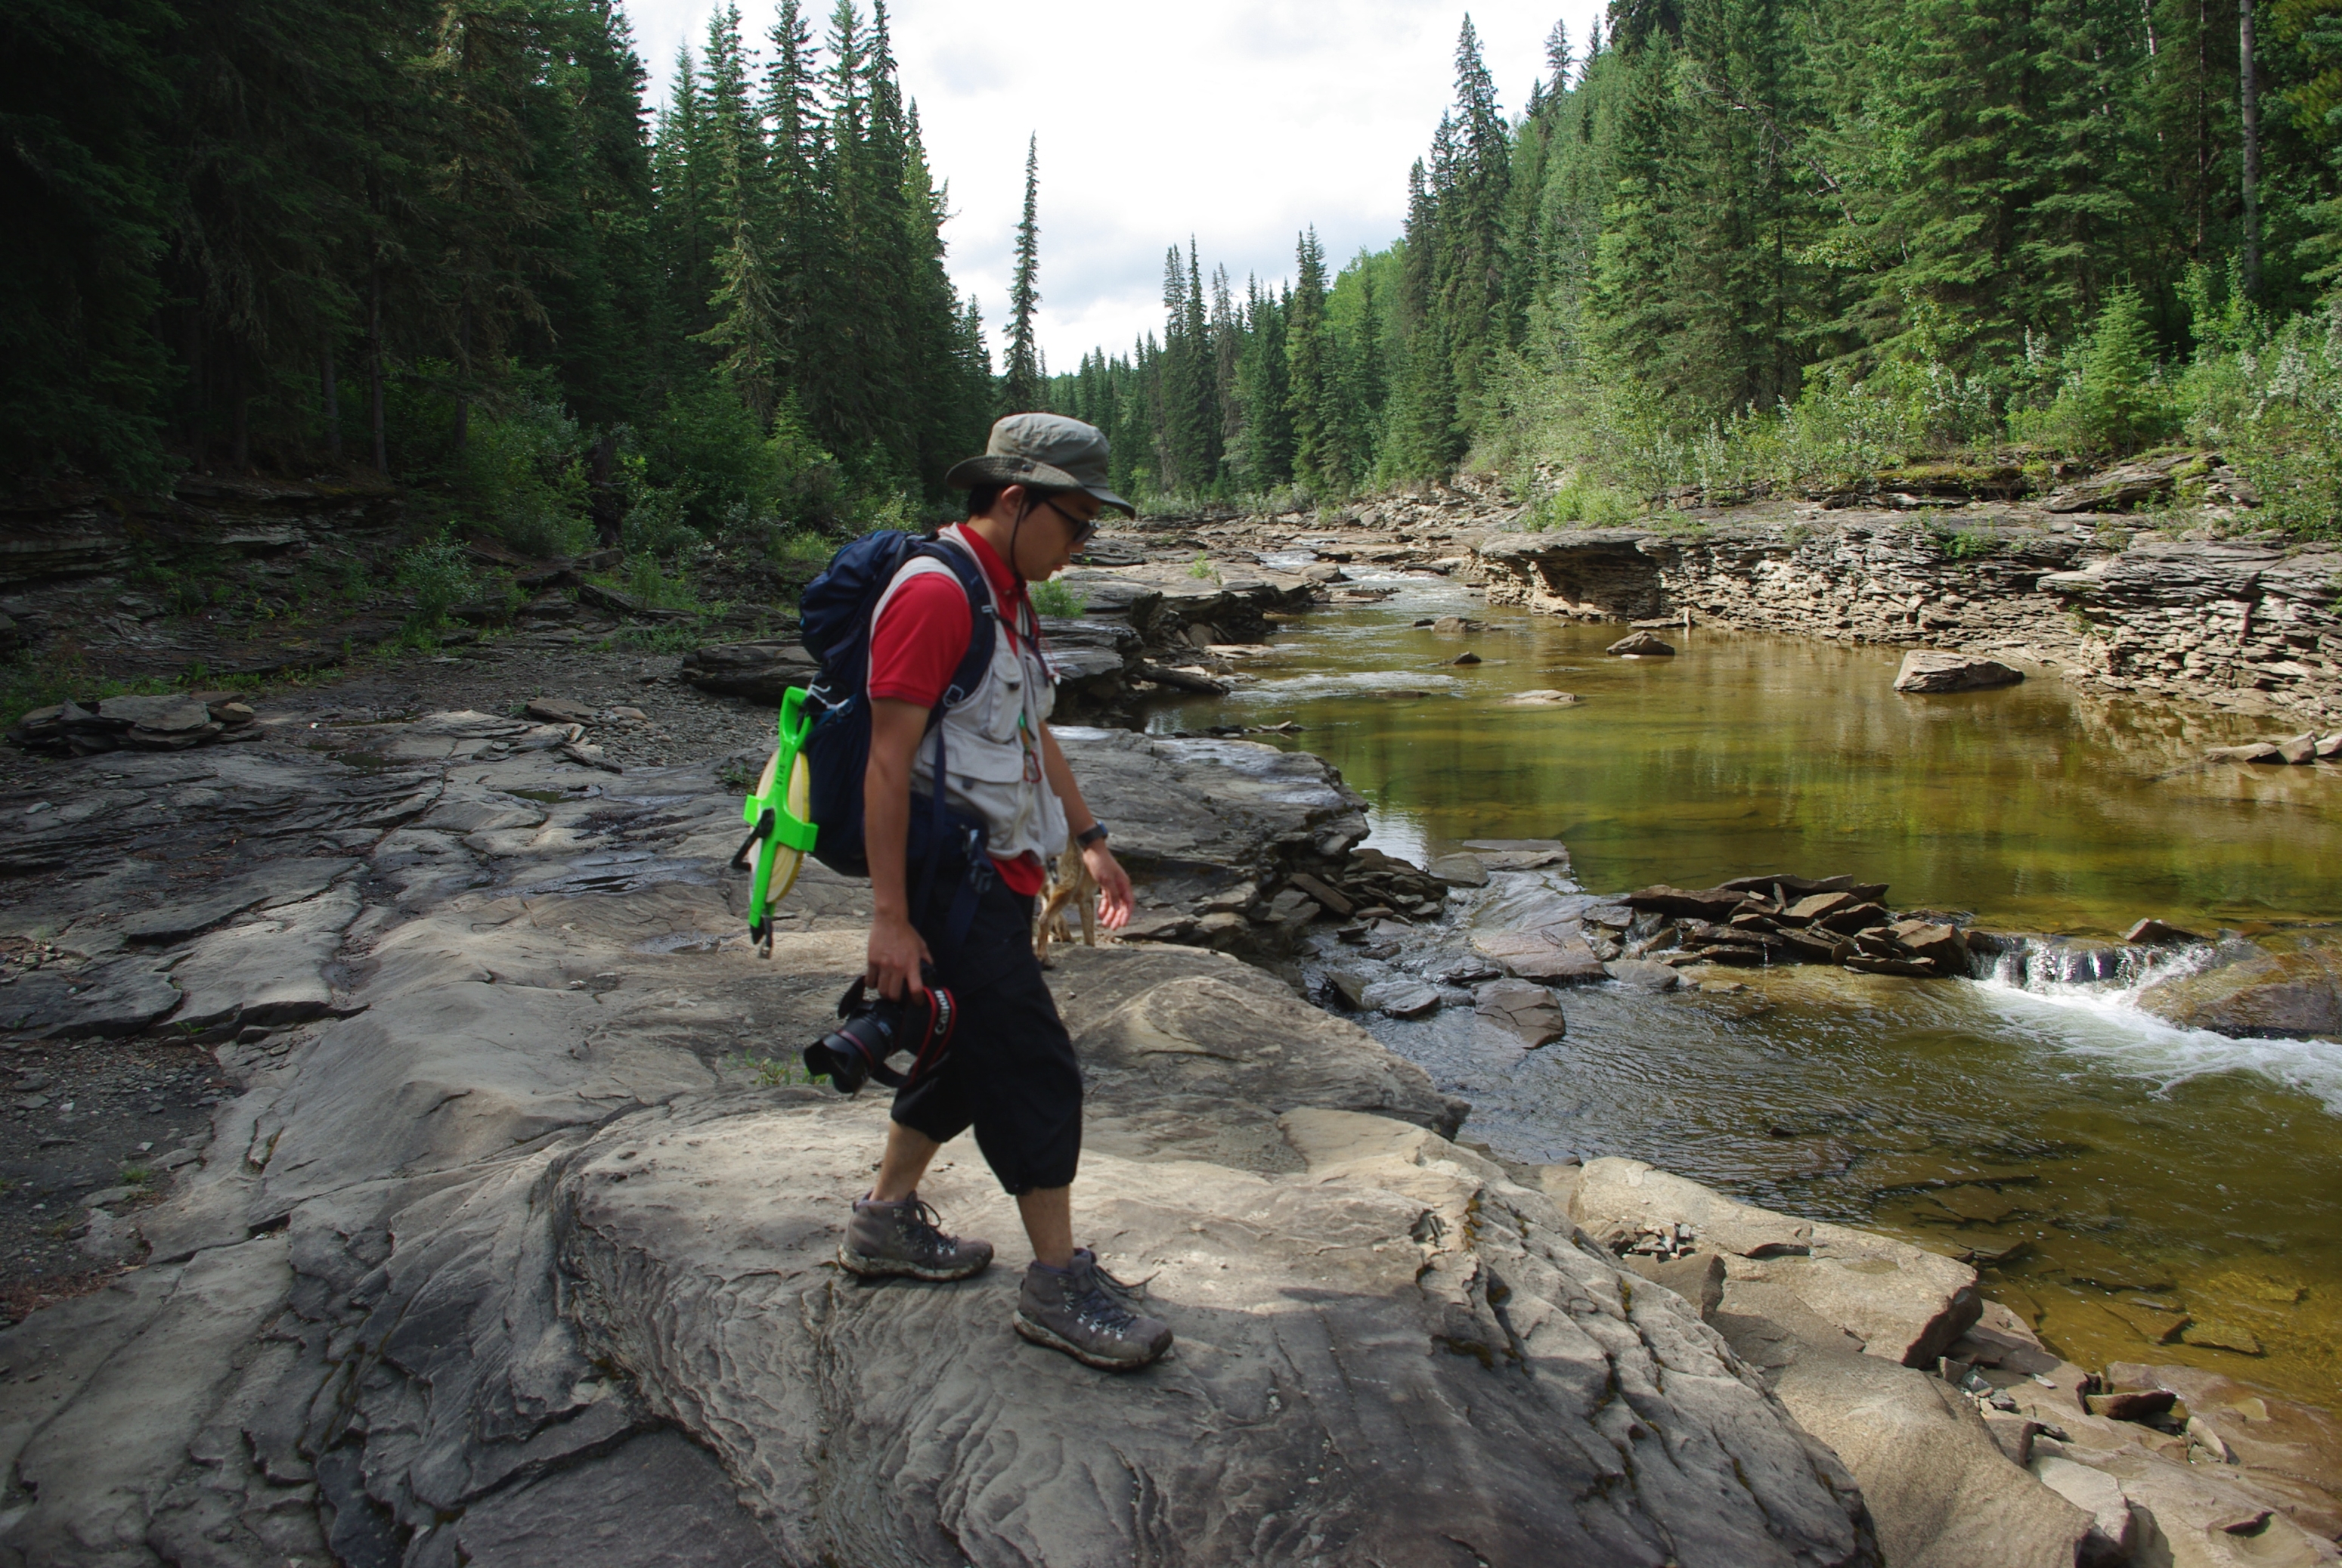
column 1237, row 121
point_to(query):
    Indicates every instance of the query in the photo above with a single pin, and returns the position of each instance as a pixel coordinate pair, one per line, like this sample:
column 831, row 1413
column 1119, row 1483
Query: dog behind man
column 1070, row 887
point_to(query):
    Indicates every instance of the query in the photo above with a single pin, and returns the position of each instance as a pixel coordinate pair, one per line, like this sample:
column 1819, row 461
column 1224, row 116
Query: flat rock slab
column 1534, row 1436
column 1520, row 854
column 1926, row 670
column 1459, row 870
column 273, row 883
column 1539, row 956
column 1193, row 816
column 106, row 1001
column 271, row 970
column 1900, row 1301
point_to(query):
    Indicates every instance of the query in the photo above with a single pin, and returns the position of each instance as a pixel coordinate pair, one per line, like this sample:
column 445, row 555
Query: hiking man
column 1035, row 498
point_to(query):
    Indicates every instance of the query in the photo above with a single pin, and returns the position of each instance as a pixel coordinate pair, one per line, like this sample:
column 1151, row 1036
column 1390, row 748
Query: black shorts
column 1011, row 1074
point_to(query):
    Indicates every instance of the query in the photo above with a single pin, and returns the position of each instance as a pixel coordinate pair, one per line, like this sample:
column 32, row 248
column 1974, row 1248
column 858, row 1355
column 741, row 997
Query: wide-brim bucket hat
column 1047, row 451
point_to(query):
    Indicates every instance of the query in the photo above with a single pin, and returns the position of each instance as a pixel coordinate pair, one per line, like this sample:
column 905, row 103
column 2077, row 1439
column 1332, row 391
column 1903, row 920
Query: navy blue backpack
column 837, row 613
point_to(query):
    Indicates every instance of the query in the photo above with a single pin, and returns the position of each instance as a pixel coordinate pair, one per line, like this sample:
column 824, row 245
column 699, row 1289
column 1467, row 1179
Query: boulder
column 1698, row 1279
column 2250, row 752
column 1527, row 1009
column 1640, row 645
column 760, row 672
column 2156, row 933
column 1459, row 870
column 1643, row 974
column 1543, row 698
column 2297, row 750
column 2116, row 489
column 1927, row 670
column 1400, row 998
column 2330, row 745
column 2295, row 994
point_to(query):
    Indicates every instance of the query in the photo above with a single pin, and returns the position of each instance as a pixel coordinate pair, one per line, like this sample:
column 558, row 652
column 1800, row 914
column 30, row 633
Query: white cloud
column 1237, row 121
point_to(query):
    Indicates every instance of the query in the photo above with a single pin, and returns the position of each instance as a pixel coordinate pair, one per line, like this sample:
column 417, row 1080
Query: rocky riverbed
column 486, row 1249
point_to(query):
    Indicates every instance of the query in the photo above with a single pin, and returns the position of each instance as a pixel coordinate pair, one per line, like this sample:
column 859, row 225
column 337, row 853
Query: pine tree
column 1021, row 389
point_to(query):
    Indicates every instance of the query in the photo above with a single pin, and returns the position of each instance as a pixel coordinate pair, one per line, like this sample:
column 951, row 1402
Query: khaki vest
column 992, row 742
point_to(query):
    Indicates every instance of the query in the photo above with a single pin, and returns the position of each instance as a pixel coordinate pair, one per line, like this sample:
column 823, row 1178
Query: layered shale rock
column 519, row 1249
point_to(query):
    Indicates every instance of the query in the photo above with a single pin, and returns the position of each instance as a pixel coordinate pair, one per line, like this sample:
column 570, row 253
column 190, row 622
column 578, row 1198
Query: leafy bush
column 717, row 469
column 1054, row 597
column 1200, row 568
column 2275, row 410
column 521, row 474
column 439, row 575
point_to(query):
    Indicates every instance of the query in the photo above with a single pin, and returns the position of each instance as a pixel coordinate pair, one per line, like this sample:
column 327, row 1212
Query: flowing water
column 2120, row 1167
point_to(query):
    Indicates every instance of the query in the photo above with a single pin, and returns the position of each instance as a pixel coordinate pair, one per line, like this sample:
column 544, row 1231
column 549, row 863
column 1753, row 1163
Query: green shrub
column 2275, row 411
column 1200, row 568
column 1054, row 597
column 521, row 476
column 439, row 576
column 2113, row 396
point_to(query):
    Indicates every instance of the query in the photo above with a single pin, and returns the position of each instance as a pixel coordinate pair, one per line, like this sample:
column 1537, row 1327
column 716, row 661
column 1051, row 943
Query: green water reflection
column 2082, row 1132
column 2038, row 805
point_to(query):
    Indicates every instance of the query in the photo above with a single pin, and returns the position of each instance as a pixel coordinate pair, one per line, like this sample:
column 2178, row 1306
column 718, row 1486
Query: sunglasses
column 1084, row 527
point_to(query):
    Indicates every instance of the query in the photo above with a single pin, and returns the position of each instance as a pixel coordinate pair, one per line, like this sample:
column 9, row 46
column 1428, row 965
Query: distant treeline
column 442, row 237
column 1721, row 208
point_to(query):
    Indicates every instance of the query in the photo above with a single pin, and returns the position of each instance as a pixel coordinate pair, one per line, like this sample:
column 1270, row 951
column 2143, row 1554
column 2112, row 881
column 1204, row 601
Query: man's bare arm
column 895, row 951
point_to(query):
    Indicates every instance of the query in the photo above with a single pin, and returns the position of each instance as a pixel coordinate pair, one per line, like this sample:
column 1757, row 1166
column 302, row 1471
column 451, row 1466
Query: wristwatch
column 1094, row 833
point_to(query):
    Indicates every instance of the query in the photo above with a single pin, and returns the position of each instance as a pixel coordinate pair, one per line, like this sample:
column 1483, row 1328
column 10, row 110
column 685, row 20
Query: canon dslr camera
column 876, row 1028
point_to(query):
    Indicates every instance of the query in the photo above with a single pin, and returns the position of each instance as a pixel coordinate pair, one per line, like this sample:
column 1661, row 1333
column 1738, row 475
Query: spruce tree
column 1021, row 388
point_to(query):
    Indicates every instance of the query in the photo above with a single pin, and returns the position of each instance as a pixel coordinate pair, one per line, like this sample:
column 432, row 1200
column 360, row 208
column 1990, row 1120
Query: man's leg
column 892, row 1233
column 908, row 1151
column 1048, row 1214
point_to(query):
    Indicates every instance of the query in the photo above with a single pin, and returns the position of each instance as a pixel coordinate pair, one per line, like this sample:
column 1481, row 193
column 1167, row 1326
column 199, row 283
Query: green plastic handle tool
column 774, row 827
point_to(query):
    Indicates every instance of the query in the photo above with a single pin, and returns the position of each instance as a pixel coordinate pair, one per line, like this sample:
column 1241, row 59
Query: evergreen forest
column 1726, row 246
column 442, row 240
column 1735, row 246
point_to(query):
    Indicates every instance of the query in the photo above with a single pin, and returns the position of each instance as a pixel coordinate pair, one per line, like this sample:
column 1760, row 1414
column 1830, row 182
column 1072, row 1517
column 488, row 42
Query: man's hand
column 896, row 951
column 1114, row 886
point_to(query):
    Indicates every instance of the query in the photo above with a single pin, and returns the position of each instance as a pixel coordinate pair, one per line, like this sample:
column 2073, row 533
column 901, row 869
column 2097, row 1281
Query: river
column 2128, row 1172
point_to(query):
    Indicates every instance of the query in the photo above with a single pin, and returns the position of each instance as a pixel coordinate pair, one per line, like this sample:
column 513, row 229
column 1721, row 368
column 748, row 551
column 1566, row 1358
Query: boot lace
column 920, row 1226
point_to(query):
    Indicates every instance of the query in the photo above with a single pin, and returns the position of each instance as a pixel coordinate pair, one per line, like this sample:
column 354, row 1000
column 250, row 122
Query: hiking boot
column 1126, row 1294
column 902, row 1238
column 1084, row 1311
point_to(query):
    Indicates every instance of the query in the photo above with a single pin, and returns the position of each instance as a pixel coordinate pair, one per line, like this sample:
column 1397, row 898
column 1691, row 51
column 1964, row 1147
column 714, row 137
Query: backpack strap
column 983, row 626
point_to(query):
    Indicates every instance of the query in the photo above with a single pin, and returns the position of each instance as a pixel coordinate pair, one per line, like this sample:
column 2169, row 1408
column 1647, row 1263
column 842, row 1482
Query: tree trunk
column 373, row 370
column 2249, row 102
column 196, row 402
column 331, row 392
column 464, row 376
column 239, row 446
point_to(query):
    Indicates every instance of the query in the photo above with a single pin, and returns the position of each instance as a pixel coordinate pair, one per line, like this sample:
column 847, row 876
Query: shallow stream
column 2129, row 1171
